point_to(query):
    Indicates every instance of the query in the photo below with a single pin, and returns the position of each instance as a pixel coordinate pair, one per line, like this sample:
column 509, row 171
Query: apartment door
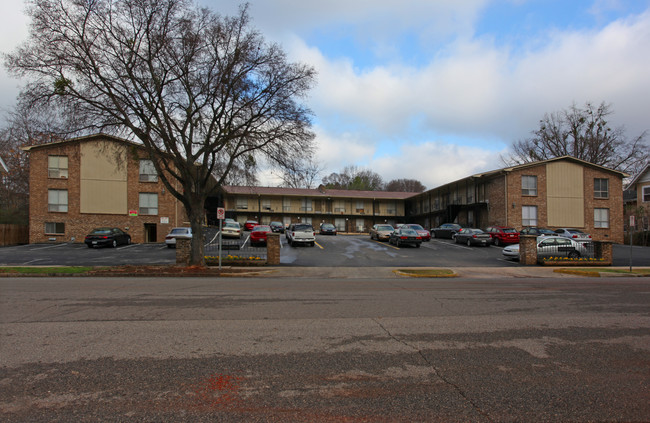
column 150, row 234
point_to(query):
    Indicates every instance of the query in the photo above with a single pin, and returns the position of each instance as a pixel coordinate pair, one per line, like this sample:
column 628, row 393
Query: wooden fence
column 14, row 234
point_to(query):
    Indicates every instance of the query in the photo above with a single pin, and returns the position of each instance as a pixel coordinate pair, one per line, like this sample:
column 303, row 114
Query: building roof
column 639, row 176
column 320, row 192
column 93, row 137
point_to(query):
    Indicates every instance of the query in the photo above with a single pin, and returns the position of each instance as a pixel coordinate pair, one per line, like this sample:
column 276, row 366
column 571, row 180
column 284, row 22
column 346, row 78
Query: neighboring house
column 348, row 210
column 100, row 180
column 555, row 193
column 637, row 198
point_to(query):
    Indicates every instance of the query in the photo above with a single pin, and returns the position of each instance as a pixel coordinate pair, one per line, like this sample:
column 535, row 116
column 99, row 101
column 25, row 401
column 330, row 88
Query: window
column 56, row 228
column 360, row 206
column 528, row 185
column 266, row 204
column 57, row 200
column 306, row 204
column 242, row 203
column 529, row 216
column 339, row 207
column 646, row 194
column 601, row 188
column 148, row 203
column 286, row 204
column 57, row 167
column 148, row 171
column 601, row 218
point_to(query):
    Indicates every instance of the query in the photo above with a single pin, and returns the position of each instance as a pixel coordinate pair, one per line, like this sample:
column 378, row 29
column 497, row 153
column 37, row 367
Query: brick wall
column 515, row 196
column 614, row 203
column 78, row 224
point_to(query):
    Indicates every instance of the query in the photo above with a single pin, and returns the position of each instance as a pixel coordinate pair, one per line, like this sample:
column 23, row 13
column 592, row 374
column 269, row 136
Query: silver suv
column 301, row 233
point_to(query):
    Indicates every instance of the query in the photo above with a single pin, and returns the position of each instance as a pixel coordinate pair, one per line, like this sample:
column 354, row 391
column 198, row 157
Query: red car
column 423, row 233
column 250, row 224
column 502, row 235
column 259, row 233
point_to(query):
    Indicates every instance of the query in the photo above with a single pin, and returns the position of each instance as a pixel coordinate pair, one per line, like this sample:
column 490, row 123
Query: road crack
column 437, row 372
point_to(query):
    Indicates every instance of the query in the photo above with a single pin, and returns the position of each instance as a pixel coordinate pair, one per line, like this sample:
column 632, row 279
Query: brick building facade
column 97, row 181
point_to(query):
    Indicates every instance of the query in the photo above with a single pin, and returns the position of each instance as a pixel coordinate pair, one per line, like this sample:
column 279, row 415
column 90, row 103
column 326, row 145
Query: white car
column 183, row 232
column 231, row 230
column 552, row 246
column 575, row 234
column 301, row 233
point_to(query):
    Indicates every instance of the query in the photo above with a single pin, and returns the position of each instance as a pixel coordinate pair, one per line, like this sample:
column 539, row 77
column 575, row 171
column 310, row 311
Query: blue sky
column 436, row 90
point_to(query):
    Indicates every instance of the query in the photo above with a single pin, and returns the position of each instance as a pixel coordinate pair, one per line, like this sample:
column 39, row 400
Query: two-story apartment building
column 97, row 181
column 349, row 211
column 100, row 180
column 638, row 203
column 555, row 193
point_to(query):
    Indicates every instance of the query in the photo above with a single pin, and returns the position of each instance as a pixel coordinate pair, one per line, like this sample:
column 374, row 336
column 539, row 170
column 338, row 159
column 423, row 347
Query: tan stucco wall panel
column 106, row 197
column 565, row 194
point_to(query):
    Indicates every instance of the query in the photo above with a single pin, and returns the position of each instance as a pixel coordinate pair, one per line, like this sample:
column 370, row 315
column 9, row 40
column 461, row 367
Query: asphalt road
column 303, row 349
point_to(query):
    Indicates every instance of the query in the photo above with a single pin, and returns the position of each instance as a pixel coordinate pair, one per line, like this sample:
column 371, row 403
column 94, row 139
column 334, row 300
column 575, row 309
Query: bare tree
column 300, row 174
column 203, row 93
column 405, row 185
column 354, row 178
column 586, row 135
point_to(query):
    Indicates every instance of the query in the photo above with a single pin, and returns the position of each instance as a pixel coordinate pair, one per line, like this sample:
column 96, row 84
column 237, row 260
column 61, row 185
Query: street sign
column 632, row 222
column 221, row 213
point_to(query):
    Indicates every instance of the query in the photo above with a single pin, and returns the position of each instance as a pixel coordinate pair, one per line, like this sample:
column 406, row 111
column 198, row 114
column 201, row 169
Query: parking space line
column 49, row 246
column 319, row 246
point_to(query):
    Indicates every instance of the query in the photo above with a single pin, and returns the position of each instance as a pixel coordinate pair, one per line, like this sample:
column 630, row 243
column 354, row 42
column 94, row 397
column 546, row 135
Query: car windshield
column 102, row 231
column 509, row 230
column 303, row 228
column 264, row 228
column 410, row 232
column 176, row 231
column 416, row 227
column 385, row 228
column 328, row 226
column 575, row 231
column 231, row 225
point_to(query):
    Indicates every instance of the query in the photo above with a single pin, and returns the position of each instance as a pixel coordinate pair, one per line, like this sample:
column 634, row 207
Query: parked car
column 405, row 236
column 536, row 231
column 277, row 227
column 327, row 229
column 107, row 237
column 424, row 234
column 552, row 246
column 301, row 233
column 473, row 236
column 446, row 230
column 503, row 235
column 259, row 234
column 250, row 224
column 575, row 234
column 231, row 230
column 184, row 232
column 381, row 232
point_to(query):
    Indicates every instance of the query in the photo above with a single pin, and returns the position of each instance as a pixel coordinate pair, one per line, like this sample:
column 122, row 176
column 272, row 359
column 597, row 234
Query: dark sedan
column 107, row 237
column 424, row 234
column 472, row 236
column 327, row 229
column 405, row 236
column 446, row 230
column 536, row 231
column 277, row 227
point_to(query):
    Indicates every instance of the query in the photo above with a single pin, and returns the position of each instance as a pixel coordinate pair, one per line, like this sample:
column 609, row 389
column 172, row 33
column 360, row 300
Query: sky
column 437, row 90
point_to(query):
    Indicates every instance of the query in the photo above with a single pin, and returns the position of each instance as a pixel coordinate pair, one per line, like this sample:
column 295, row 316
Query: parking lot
column 340, row 250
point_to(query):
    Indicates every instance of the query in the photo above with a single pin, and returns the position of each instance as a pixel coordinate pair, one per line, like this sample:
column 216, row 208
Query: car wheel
column 89, row 245
column 574, row 255
column 397, row 244
column 433, row 234
column 417, row 245
column 170, row 246
column 312, row 243
column 114, row 244
column 469, row 243
column 128, row 241
column 497, row 242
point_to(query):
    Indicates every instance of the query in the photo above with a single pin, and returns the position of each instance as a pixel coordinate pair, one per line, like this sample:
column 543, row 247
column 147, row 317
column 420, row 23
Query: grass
column 426, row 273
column 47, row 270
column 624, row 271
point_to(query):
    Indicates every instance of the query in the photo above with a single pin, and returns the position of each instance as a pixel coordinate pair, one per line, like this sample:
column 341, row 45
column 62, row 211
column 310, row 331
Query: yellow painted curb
column 578, row 272
column 415, row 275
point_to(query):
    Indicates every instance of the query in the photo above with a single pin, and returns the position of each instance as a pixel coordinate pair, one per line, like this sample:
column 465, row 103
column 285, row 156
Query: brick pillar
column 603, row 250
column 273, row 249
column 183, row 251
column 528, row 249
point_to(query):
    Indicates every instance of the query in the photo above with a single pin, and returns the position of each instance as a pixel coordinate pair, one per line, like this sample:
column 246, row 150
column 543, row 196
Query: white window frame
column 529, row 185
column 529, row 216
column 57, row 200
column 306, row 205
column 241, row 203
column 601, row 218
column 360, row 206
column 148, row 171
column 286, row 204
column 646, row 194
column 266, row 204
column 148, row 202
column 599, row 192
column 57, row 167
column 55, row 228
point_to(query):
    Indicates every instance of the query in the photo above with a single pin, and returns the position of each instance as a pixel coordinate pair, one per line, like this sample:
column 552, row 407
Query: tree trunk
column 196, row 216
